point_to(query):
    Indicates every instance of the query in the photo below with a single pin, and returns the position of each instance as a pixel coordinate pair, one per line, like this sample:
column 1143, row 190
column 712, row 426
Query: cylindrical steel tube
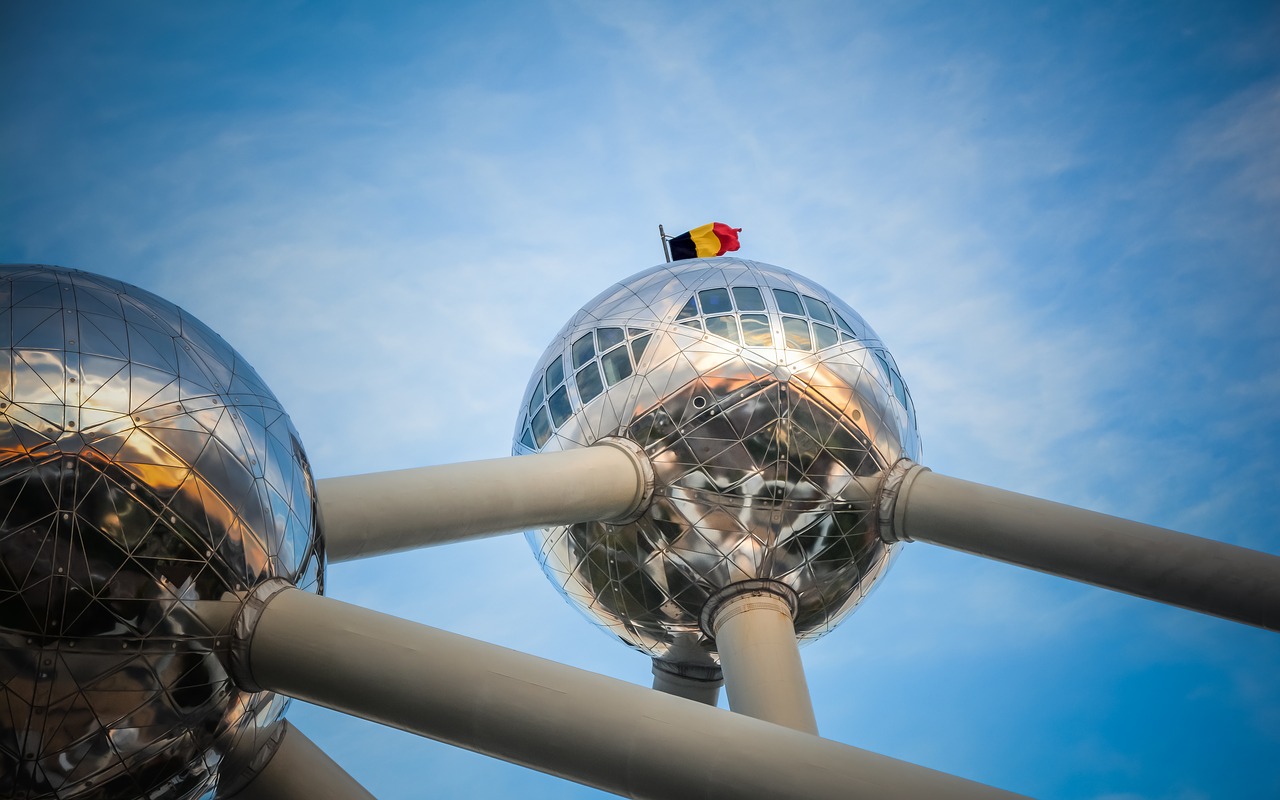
column 386, row 512
column 763, row 676
column 299, row 770
column 584, row 727
column 1156, row 563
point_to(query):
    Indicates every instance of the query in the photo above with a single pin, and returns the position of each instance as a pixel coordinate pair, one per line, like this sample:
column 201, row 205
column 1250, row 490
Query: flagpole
column 666, row 251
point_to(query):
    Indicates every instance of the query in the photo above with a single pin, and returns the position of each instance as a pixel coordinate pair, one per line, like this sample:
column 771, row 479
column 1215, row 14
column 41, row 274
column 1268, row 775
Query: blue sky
column 1061, row 217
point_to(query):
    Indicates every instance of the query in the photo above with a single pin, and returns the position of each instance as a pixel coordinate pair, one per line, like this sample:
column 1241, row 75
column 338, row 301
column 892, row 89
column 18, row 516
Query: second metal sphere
column 759, row 397
column 144, row 468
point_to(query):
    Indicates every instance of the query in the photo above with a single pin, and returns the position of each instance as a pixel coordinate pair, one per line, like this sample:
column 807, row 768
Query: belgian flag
column 712, row 239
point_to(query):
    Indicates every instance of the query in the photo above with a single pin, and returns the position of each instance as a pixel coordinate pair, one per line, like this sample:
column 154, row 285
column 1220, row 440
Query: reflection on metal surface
column 144, row 466
column 758, row 406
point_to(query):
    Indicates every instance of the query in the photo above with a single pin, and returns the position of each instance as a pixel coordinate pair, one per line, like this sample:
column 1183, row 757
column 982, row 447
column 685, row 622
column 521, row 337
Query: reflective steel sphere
column 144, row 466
column 758, row 396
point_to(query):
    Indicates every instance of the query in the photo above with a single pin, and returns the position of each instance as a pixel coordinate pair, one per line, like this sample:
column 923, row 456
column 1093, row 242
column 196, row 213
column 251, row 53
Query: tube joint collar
column 890, row 516
column 645, row 480
column 711, row 617
column 243, row 626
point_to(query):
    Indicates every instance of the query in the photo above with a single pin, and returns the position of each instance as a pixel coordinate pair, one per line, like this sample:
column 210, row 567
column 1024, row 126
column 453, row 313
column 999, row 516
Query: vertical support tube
column 763, row 676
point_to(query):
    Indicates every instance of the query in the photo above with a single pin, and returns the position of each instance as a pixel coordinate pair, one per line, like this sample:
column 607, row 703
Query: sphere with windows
column 759, row 398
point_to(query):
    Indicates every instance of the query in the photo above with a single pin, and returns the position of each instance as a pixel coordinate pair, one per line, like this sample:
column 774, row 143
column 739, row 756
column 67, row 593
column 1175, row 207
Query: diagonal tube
column 1159, row 564
column 299, row 770
column 387, row 512
column 563, row 721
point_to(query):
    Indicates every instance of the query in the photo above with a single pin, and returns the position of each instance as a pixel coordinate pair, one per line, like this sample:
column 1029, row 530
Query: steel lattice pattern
column 144, row 466
column 758, row 397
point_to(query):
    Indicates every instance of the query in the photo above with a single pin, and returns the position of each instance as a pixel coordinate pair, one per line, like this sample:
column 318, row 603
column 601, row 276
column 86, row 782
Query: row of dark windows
column 899, row 388
column 600, row 358
column 605, row 356
column 807, row 323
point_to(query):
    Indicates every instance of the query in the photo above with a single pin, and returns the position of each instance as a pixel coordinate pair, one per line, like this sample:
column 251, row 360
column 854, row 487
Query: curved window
column 714, row 301
column 608, row 337
column 638, row 345
column 755, row 330
column 589, row 385
column 748, row 298
column 818, row 309
column 797, row 333
column 690, row 310
column 559, row 405
column 825, row 335
column 541, row 427
column 616, row 364
column 726, row 327
column 899, row 390
column 555, row 372
column 584, row 349
column 884, row 364
column 844, row 326
column 536, row 398
column 788, row 302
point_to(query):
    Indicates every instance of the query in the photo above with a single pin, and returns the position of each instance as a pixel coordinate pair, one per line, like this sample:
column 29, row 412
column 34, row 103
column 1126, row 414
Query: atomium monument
column 715, row 460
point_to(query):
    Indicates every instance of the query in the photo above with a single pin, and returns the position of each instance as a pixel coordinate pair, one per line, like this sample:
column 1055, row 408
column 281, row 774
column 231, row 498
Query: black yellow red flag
column 712, row 239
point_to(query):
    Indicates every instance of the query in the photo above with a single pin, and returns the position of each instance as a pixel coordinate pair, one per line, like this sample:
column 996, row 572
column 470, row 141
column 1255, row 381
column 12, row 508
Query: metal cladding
column 758, row 397
column 144, row 466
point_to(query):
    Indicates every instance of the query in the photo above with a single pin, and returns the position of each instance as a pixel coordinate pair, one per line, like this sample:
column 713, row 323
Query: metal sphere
column 144, row 466
column 758, row 397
